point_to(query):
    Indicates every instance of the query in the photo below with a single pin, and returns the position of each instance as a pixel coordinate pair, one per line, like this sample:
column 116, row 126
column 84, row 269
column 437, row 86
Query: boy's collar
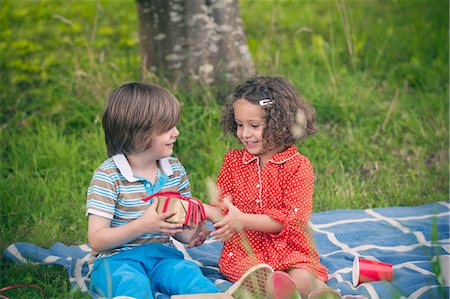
column 125, row 169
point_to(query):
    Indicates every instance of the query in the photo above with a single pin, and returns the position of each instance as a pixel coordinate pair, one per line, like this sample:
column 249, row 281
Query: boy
column 132, row 251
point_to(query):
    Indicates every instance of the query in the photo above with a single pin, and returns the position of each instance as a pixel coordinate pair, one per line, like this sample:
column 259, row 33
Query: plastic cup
column 366, row 271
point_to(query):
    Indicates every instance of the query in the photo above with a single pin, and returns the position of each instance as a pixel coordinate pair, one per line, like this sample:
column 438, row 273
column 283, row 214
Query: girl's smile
column 251, row 144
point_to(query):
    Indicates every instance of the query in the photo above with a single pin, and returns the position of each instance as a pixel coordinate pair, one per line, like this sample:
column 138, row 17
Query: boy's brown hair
column 134, row 113
column 288, row 117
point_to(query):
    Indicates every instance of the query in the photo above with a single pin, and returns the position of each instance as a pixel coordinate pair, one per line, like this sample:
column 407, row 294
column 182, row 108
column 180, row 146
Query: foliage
column 376, row 71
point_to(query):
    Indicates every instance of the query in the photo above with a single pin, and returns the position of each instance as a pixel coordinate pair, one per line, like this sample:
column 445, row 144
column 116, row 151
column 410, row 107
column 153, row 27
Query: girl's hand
column 230, row 224
column 200, row 235
column 154, row 223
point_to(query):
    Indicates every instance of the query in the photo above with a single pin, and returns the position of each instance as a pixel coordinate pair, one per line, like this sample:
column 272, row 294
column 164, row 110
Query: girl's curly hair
column 288, row 117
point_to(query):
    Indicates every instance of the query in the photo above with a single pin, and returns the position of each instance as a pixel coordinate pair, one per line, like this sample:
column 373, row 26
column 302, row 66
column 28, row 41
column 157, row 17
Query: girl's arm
column 102, row 236
column 236, row 221
column 213, row 213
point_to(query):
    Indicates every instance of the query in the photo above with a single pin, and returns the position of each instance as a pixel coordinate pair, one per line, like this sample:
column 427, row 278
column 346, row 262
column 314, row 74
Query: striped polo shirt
column 115, row 193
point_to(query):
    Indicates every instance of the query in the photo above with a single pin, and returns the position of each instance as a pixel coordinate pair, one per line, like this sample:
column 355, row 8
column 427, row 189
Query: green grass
column 376, row 71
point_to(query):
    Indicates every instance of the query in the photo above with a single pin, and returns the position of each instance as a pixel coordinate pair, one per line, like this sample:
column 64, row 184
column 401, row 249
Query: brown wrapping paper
column 181, row 207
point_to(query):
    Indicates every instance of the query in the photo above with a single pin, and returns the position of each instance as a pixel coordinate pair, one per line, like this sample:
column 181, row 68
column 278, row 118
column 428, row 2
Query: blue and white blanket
column 415, row 240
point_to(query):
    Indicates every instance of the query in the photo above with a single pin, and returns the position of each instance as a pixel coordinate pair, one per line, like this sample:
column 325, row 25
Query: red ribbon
column 22, row 285
column 192, row 203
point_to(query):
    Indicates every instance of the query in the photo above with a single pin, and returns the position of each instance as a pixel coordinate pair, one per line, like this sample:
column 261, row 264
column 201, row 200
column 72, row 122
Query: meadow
column 376, row 71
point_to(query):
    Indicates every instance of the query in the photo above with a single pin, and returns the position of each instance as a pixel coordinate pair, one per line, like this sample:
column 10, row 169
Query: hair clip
column 265, row 102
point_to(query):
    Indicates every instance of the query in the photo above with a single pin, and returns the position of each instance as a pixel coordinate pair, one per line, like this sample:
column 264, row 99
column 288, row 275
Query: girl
column 266, row 190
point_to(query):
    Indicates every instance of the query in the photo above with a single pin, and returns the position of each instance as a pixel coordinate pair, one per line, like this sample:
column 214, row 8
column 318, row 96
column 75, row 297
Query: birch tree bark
column 194, row 40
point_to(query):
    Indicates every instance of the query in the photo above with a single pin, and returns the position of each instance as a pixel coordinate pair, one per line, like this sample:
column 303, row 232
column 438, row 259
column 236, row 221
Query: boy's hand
column 200, row 235
column 230, row 224
column 154, row 223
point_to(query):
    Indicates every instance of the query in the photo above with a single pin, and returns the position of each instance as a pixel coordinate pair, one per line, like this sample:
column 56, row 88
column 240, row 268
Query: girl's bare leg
column 305, row 281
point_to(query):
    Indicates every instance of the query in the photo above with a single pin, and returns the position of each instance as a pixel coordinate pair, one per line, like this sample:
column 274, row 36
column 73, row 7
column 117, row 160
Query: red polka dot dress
column 283, row 190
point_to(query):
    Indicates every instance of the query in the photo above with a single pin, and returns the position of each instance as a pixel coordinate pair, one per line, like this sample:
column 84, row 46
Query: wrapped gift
column 189, row 211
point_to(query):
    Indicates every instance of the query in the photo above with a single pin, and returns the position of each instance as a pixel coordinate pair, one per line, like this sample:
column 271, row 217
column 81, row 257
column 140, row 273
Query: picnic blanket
column 415, row 240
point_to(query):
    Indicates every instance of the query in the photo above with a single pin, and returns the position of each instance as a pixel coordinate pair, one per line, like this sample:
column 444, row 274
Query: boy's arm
column 102, row 236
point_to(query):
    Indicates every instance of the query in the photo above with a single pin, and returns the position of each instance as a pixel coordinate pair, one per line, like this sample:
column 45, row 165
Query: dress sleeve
column 101, row 195
column 296, row 201
column 225, row 180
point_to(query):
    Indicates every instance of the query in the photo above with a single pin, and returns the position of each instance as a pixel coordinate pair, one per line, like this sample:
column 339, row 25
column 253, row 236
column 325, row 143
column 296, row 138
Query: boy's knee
column 185, row 265
column 183, row 277
column 121, row 280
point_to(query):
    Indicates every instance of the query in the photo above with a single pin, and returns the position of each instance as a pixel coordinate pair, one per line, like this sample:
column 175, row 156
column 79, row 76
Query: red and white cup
column 366, row 270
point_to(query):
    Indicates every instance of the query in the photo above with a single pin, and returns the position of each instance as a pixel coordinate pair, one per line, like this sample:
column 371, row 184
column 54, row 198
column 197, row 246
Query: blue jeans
column 141, row 271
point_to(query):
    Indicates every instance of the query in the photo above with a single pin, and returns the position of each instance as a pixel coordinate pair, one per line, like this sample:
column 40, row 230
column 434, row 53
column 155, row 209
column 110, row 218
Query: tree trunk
column 194, row 40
